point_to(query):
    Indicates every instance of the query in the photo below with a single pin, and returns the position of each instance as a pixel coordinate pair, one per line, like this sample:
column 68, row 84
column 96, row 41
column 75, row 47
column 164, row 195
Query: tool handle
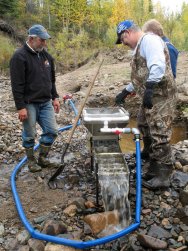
column 60, row 169
column 83, row 103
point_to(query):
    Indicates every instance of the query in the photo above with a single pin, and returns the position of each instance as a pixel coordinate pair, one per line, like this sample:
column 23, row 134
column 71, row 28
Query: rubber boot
column 145, row 152
column 32, row 162
column 147, row 144
column 43, row 160
column 161, row 180
column 151, row 171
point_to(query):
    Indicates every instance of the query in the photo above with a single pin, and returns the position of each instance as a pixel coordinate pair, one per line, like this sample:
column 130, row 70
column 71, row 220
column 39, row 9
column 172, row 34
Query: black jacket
column 32, row 77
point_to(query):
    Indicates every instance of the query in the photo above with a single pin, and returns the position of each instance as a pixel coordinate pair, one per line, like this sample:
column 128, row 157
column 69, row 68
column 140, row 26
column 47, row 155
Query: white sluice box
column 94, row 118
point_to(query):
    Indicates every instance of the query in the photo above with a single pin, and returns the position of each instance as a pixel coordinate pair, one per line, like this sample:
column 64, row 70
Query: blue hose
column 138, row 182
column 73, row 243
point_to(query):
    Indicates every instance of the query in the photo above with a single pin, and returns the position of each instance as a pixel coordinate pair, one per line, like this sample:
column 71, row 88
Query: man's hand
column 22, row 114
column 148, row 95
column 120, row 98
column 56, row 105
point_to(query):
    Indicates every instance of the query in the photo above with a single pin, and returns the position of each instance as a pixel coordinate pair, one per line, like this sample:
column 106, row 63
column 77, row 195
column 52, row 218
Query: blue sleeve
column 173, row 52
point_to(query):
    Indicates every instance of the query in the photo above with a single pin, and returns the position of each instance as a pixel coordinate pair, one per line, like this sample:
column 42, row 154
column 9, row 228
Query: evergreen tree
column 7, row 7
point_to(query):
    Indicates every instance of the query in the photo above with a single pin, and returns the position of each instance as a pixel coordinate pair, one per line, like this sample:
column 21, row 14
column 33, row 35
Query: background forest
column 81, row 27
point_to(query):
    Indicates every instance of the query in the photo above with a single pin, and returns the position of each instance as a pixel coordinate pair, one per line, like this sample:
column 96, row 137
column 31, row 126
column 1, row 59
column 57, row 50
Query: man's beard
column 39, row 49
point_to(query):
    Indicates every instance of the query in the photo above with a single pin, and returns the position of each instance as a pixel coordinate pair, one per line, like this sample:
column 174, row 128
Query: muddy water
column 127, row 143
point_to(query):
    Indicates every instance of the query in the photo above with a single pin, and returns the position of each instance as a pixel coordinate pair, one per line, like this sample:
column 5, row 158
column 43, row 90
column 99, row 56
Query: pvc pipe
column 74, row 243
column 135, row 131
column 116, row 130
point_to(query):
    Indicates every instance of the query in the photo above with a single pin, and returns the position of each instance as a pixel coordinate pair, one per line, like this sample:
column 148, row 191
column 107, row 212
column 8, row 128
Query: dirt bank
column 114, row 74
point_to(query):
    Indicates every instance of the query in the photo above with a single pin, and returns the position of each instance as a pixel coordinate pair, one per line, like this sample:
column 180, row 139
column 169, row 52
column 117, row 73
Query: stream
column 127, row 143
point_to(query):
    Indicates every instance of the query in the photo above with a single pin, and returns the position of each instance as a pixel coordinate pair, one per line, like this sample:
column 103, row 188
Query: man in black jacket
column 33, row 85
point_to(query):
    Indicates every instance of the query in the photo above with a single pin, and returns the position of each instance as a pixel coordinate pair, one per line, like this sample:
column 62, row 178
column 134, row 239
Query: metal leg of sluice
column 91, row 153
column 97, row 184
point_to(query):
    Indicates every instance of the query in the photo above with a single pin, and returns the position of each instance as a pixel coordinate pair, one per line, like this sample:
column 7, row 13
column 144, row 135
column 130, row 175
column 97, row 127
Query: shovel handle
column 60, row 169
column 83, row 103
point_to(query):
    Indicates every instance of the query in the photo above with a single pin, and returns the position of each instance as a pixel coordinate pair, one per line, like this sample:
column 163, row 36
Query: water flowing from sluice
column 109, row 164
column 113, row 178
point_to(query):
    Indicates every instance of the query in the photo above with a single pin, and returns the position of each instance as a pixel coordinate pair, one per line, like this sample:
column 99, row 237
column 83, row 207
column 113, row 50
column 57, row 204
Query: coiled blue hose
column 73, row 243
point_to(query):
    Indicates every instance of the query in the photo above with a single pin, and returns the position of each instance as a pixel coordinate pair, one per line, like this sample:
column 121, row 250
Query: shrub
column 6, row 51
column 69, row 49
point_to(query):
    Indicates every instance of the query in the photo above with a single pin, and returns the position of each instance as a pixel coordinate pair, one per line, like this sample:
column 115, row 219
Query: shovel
column 60, row 169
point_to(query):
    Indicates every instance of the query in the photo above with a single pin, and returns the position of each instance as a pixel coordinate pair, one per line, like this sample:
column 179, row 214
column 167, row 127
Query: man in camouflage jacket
column 153, row 81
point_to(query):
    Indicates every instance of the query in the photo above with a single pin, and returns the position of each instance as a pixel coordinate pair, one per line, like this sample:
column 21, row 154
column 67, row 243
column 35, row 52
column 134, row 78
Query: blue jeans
column 43, row 114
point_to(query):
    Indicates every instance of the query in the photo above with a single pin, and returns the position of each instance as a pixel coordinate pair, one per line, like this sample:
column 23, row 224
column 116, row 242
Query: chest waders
column 155, row 124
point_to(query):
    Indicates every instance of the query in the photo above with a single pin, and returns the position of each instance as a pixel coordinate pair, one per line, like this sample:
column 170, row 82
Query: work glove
column 120, row 98
column 148, row 95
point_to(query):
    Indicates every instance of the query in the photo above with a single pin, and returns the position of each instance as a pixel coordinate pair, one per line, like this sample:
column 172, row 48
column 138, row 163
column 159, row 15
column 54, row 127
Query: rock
column 185, row 169
column 151, row 242
column 165, row 222
column 183, row 248
column 89, row 204
column 87, row 229
column 23, row 237
column 87, row 211
column 158, row 232
column 173, row 243
column 182, row 214
column 33, row 210
column 174, row 233
column 40, row 219
column 180, row 239
column 74, row 179
column 165, row 205
column 55, row 247
column 40, row 180
column 179, row 179
column 70, row 210
column 12, row 245
column 168, row 226
column 2, row 230
column 79, row 202
column 99, row 222
column 24, row 248
column 66, row 236
column 60, row 183
column 36, row 245
column 178, row 165
column 146, row 211
column 69, row 157
column 53, row 227
column 184, row 197
column 111, row 87
column 176, row 221
column 184, row 227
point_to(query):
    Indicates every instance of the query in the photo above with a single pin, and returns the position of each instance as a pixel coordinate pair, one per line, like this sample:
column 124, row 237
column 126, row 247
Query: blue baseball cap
column 39, row 31
column 125, row 25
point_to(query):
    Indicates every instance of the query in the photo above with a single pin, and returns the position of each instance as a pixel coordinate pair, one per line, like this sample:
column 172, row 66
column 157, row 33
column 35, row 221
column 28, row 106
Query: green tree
column 184, row 25
column 97, row 20
column 140, row 10
column 7, row 7
column 69, row 13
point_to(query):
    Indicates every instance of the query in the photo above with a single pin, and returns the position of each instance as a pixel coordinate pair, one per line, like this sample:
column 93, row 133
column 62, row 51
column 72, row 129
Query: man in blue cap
column 33, row 85
column 153, row 81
